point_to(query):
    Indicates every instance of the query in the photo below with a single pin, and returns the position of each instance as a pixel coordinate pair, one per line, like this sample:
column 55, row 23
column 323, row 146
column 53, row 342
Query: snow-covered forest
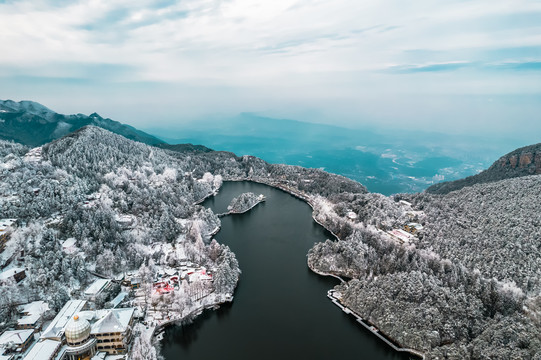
column 118, row 202
column 466, row 286
column 244, row 202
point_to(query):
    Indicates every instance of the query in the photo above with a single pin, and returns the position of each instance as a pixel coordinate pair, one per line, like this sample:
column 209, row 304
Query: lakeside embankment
column 371, row 327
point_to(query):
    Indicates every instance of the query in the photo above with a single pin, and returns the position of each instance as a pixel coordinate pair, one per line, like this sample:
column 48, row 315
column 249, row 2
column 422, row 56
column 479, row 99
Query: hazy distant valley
column 387, row 161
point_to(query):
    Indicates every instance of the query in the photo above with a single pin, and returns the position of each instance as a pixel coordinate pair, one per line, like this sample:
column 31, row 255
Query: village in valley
column 110, row 316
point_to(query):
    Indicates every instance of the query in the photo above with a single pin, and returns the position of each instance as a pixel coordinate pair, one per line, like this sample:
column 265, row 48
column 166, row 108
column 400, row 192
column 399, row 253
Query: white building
column 55, row 330
column 6, row 224
column 96, row 288
column 32, row 314
column 83, row 334
column 15, row 341
column 44, row 350
column 12, row 274
column 70, row 246
column 400, row 235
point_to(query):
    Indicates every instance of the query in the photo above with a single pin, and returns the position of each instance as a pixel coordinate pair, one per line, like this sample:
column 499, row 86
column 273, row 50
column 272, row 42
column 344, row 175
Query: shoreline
column 193, row 313
column 330, row 294
column 371, row 327
column 240, row 212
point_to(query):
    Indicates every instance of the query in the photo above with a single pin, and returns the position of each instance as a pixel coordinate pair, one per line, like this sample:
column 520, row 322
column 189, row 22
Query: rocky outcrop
column 527, row 160
column 521, row 162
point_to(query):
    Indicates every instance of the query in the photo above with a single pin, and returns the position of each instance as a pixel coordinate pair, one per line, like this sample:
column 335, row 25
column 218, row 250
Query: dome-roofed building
column 77, row 331
column 80, row 344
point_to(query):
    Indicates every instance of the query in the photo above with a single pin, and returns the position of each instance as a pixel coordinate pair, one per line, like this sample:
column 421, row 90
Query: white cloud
column 282, row 54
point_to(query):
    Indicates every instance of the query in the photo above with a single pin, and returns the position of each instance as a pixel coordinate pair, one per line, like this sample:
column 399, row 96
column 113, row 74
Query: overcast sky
column 446, row 65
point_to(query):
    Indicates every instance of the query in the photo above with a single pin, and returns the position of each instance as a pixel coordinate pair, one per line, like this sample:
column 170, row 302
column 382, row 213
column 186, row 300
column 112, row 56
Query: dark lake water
column 280, row 309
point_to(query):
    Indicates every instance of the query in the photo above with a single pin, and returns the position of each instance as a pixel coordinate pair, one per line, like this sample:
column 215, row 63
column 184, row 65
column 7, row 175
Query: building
column 113, row 331
column 413, row 228
column 15, row 274
column 77, row 343
column 55, row 330
column 96, row 288
column 400, row 235
column 44, row 350
column 32, row 315
column 16, row 341
column 70, row 246
column 118, row 299
column 85, row 333
column 135, row 284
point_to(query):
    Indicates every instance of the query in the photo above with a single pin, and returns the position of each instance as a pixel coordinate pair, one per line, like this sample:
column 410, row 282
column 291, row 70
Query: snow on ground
column 34, row 155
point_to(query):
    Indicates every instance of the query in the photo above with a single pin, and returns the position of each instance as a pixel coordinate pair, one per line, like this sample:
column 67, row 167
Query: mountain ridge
column 33, row 124
column 520, row 162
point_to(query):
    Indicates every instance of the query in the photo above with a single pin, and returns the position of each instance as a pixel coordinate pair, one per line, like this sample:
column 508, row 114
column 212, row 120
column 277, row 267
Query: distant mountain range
column 33, row 124
column 386, row 160
column 520, row 162
column 387, row 163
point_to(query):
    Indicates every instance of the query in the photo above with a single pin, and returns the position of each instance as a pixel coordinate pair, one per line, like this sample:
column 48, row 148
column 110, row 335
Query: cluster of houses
column 167, row 279
column 411, row 229
column 77, row 332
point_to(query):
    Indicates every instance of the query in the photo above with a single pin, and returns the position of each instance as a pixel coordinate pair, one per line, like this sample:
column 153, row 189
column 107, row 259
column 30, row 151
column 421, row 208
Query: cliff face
column 527, row 161
column 521, row 162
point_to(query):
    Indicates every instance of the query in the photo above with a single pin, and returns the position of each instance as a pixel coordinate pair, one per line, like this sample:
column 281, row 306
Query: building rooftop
column 56, row 327
column 29, row 320
column 6, row 274
column 116, row 320
column 69, row 243
column 43, row 350
column 96, row 287
column 118, row 299
column 18, row 337
column 415, row 225
column 36, row 307
column 6, row 223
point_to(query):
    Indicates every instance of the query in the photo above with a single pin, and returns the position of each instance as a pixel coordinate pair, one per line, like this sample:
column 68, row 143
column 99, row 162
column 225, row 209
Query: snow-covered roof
column 69, row 243
column 416, row 225
column 97, row 286
column 118, row 299
column 114, row 321
column 6, row 274
column 400, row 234
column 18, row 337
column 34, row 311
column 56, row 327
column 171, row 271
column 36, row 307
column 29, row 320
column 404, row 202
column 6, row 223
column 43, row 350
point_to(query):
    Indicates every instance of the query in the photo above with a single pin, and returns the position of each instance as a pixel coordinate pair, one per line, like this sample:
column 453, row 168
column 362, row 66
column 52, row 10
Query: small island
column 243, row 203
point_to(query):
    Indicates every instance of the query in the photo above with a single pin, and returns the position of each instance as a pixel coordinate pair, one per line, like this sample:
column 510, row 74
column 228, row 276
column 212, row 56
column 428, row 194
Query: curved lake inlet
column 281, row 309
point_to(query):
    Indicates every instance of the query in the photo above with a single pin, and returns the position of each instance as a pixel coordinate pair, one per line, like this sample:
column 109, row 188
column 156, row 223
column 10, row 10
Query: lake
column 280, row 309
